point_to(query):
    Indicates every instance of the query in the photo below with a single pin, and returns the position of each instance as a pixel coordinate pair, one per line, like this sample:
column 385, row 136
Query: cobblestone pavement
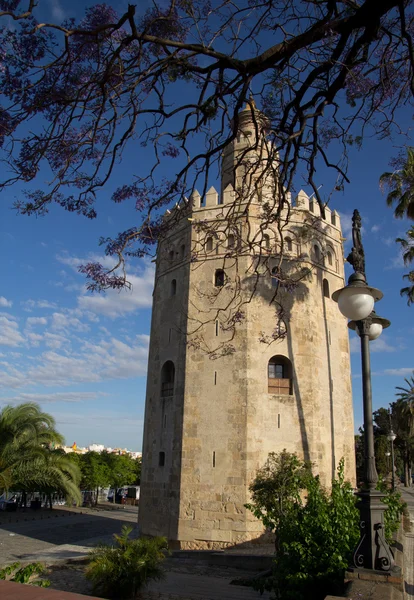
column 43, row 532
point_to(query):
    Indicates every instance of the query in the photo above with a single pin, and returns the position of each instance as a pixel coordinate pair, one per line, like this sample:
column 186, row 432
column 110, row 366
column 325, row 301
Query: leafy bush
column 394, row 511
column 121, row 570
column 24, row 574
column 316, row 536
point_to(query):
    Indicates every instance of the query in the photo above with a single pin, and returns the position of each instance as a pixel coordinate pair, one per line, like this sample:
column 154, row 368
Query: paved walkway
column 59, row 533
column 408, row 496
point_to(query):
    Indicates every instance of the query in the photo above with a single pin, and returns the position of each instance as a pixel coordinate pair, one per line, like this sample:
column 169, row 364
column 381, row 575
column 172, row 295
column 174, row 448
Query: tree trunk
column 49, row 496
column 113, row 498
column 406, row 466
column 97, row 494
column 24, row 500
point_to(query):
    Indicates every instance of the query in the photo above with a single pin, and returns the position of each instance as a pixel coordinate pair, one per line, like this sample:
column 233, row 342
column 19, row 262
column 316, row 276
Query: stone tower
column 235, row 371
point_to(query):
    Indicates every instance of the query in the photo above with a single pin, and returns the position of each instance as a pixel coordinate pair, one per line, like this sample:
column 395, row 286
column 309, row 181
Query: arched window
column 311, row 205
column 171, row 255
column 219, row 278
column 279, row 373
column 182, row 251
column 167, row 379
column 173, row 287
column 288, row 242
column 209, row 244
column 329, row 257
column 316, row 253
column 325, row 288
column 230, row 241
column 266, row 241
column 333, row 219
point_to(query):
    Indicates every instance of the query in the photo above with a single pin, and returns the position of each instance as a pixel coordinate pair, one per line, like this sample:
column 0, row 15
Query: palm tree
column 49, row 471
column 403, row 422
column 121, row 569
column 407, row 245
column 26, row 461
column 401, row 185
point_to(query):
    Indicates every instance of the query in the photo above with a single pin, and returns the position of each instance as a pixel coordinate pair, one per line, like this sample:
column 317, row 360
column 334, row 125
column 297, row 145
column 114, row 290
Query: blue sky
column 83, row 357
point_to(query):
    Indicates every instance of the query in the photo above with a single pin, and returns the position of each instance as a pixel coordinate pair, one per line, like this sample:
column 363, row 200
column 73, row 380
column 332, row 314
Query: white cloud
column 103, row 360
column 115, row 304
column 401, row 372
column 29, row 305
column 65, row 322
column 30, row 321
column 4, row 303
column 346, row 224
column 375, row 228
column 57, row 11
column 396, row 262
column 378, row 345
column 9, row 332
column 53, row 397
column 388, row 241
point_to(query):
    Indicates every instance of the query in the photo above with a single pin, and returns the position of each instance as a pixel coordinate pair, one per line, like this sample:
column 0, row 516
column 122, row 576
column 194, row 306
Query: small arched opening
column 266, row 241
column 219, row 278
column 171, row 255
column 329, row 257
column 209, row 244
column 316, row 253
column 325, row 288
column 279, row 373
column 289, row 244
column 167, row 379
column 230, row 241
column 173, row 287
column 182, row 251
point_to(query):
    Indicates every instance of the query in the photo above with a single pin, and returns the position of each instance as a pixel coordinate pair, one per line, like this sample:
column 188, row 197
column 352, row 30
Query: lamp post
column 356, row 302
column 391, row 437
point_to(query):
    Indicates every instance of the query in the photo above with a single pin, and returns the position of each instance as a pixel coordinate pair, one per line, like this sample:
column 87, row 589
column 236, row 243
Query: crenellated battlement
column 212, row 199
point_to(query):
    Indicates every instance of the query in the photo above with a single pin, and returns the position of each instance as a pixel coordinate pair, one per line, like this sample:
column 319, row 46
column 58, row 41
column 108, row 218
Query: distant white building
column 96, row 448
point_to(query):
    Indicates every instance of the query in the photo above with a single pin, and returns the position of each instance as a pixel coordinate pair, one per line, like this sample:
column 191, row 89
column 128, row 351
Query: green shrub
column 24, row 574
column 121, row 570
column 316, row 536
column 395, row 509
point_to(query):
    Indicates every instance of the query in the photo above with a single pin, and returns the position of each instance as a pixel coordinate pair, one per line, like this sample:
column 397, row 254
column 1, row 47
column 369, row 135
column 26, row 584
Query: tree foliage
column 400, row 183
column 27, row 459
column 122, row 569
column 316, row 535
column 173, row 81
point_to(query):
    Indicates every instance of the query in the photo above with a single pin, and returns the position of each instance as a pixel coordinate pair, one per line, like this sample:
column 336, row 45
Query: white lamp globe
column 375, row 331
column 355, row 304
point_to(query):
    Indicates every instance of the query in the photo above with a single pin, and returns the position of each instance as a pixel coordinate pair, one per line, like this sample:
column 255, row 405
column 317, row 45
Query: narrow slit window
column 214, row 459
column 161, row 459
column 316, row 253
column 165, row 421
column 217, row 328
column 288, row 242
column 278, row 421
column 266, row 241
column 329, row 257
column 215, row 377
column 325, row 285
column 209, row 244
column 173, row 287
column 219, row 278
column 182, row 251
column 171, row 255
column 230, row 241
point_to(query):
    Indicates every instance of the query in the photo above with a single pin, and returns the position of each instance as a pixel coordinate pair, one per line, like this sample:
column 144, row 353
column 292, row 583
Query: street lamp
column 391, row 437
column 356, row 302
